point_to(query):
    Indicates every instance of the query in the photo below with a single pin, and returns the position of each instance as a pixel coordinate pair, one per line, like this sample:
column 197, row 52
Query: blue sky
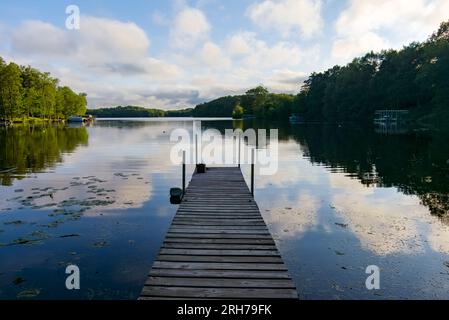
column 174, row 54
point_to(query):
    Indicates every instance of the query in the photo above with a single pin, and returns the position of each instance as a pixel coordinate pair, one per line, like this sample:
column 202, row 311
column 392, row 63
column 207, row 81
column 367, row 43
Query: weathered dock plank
column 218, row 246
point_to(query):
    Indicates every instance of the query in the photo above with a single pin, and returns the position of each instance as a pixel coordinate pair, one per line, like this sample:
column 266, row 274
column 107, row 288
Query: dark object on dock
column 176, row 195
column 218, row 246
column 201, row 168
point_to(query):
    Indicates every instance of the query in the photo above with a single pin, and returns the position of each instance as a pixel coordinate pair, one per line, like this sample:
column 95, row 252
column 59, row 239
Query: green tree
column 238, row 112
column 30, row 85
column 26, row 92
column 2, row 108
column 10, row 91
column 255, row 99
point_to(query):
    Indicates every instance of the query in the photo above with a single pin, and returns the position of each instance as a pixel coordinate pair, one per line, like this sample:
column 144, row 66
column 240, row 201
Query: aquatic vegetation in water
column 69, row 235
column 62, row 210
column 34, row 238
column 16, row 222
column 23, row 241
column 30, row 293
column 343, row 225
column 100, row 244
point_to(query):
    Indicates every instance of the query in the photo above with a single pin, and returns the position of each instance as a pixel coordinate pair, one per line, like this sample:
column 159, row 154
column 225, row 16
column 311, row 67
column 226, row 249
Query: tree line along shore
column 28, row 95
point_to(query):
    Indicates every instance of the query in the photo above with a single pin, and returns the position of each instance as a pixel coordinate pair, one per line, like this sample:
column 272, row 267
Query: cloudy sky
column 171, row 54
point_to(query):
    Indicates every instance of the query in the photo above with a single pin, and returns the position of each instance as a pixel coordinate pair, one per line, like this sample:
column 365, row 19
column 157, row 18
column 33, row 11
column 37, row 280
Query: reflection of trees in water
column 32, row 149
column 414, row 163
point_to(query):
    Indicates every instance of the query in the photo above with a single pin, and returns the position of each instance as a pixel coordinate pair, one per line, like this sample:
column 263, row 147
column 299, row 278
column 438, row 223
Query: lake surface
column 343, row 198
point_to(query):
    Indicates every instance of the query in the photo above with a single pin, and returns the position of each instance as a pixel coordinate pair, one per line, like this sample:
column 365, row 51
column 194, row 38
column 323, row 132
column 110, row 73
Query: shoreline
column 21, row 121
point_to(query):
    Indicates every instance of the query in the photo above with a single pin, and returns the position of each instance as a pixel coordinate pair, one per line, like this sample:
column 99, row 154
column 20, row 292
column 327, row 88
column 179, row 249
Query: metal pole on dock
column 183, row 172
column 196, row 149
column 240, row 148
column 252, row 171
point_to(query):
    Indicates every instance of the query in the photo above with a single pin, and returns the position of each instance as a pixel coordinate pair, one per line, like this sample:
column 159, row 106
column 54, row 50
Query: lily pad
column 24, row 241
column 30, row 293
column 343, row 225
column 100, row 244
column 16, row 222
column 69, row 235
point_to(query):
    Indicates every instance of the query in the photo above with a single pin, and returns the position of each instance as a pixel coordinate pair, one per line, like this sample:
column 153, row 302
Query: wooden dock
column 218, row 246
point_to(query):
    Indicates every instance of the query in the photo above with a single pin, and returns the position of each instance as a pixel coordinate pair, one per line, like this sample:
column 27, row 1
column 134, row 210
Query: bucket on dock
column 176, row 195
column 201, row 168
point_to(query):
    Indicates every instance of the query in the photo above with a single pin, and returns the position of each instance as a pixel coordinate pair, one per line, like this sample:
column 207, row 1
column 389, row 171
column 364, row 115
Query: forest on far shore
column 27, row 93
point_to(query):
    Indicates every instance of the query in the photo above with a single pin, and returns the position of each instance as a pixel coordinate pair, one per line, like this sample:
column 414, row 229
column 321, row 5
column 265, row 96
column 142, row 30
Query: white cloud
column 37, row 37
column 112, row 61
column 287, row 16
column 345, row 49
column 189, row 28
column 241, row 62
column 285, row 80
column 373, row 25
column 120, row 39
column 212, row 55
column 238, row 43
column 108, row 59
column 255, row 53
column 410, row 18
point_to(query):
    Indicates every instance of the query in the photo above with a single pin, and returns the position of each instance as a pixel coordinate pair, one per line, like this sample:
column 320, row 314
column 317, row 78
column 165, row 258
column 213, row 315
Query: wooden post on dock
column 252, row 171
column 183, row 172
column 196, row 149
column 240, row 148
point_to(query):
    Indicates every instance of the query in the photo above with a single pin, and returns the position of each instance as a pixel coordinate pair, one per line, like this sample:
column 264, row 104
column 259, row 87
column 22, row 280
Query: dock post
column 183, row 172
column 196, row 149
column 240, row 148
column 252, row 171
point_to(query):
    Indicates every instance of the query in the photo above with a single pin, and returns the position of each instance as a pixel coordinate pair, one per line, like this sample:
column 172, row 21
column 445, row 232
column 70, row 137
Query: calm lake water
column 343, row 198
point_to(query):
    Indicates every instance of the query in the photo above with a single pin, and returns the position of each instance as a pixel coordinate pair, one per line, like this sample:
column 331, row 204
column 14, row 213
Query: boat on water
column 74, row 119
column 79, row 119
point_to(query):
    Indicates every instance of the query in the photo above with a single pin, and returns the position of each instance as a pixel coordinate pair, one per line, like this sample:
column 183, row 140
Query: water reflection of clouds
column 286, row 222
column 387, row 221
column 290, row 194
column 125, row 163
column 384, row 220
column 293, row 170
